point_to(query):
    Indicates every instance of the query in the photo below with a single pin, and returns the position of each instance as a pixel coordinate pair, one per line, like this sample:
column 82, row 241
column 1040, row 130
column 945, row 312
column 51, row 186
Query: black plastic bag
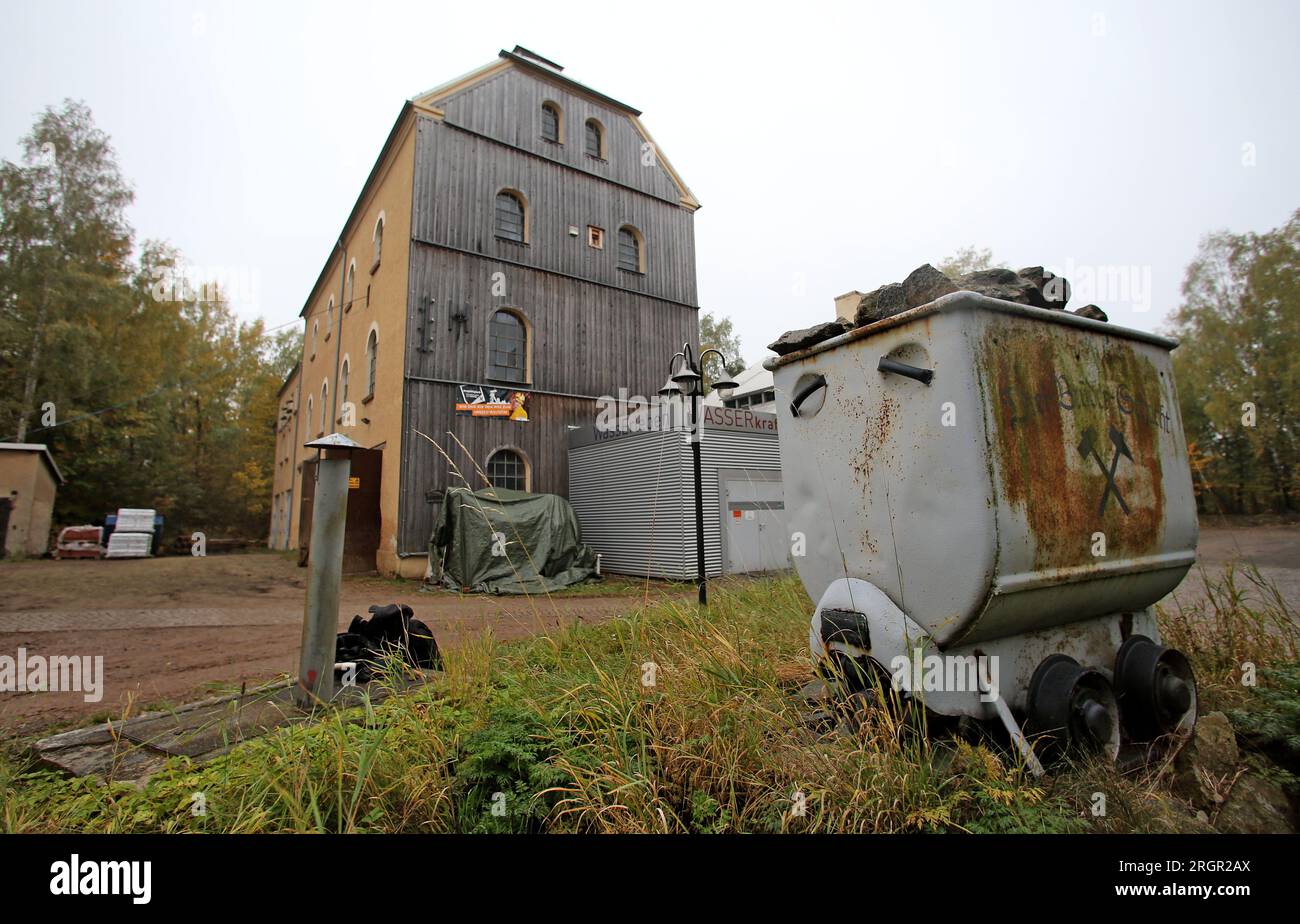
column 390, row 628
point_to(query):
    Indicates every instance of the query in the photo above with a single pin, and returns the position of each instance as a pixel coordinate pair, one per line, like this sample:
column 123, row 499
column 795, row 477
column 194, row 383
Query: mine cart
column 990, row 498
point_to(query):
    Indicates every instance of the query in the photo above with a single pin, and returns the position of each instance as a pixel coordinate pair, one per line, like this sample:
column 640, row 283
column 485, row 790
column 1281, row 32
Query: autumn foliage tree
column 1237, row 370
column 148, row 393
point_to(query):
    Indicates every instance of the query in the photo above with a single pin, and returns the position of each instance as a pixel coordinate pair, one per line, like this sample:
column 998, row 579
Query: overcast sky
column 833, row 147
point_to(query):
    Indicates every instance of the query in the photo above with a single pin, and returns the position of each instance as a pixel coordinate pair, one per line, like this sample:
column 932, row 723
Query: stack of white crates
column 133, row 535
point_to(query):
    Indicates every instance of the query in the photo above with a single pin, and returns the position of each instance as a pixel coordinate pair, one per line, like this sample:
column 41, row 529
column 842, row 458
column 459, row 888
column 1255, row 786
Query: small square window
column 595, row 237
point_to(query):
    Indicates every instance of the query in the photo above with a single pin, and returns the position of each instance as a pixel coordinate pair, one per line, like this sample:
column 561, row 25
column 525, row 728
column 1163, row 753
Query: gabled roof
column 428, row 101
column 393, row 135
column 548, row 70
column 35, row 447
column 289, row 379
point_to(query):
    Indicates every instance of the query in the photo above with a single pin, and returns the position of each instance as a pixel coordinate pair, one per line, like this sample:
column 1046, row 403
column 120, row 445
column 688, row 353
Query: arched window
column 351, row 291
column 372, row 361
column 511, row 216
column 324, row 405
column 315, row 329
column 329, row 317
column 379, row 242
column 551, row 123
column 631, row 250
column 595, row 139
column 343, row 383
column 307, row 426
column 507, row 348
column 506, row 469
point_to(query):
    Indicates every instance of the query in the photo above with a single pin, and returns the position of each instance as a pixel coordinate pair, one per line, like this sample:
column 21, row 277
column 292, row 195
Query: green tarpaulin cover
column 507, row 542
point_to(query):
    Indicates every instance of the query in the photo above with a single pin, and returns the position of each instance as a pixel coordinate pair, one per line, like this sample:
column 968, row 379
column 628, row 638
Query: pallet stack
column 132, row 535
column 79, row 542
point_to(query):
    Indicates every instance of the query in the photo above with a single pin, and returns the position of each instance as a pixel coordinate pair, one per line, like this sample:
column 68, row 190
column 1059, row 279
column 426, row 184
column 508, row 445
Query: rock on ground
column 1207, row 772
column 1256, row 806
column 1205, row 766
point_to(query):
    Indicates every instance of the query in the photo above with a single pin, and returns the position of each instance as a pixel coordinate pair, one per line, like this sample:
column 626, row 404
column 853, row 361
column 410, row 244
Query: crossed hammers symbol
column 1088, row 447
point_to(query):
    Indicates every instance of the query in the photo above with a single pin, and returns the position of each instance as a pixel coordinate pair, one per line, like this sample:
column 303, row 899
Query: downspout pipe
column 295, row 501
column 338, row 336
column 338, row 355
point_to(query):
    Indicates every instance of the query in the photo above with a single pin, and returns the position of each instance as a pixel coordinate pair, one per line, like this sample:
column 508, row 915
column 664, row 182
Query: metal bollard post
column 324, row 569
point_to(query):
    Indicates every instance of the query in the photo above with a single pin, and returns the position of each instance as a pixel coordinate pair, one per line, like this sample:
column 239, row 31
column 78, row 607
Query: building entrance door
column 361, row 541
column 753, row 513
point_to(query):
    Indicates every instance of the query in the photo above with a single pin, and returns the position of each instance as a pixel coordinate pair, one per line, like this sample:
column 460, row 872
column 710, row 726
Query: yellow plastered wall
column 389, row 196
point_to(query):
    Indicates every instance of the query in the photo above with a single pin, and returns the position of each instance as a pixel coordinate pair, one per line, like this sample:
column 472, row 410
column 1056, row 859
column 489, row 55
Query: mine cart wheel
column 1156, row 689
column 1071, row 708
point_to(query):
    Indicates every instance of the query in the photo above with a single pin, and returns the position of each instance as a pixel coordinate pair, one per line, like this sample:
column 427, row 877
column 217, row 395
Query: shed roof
column 35, row 447
column 754, row 378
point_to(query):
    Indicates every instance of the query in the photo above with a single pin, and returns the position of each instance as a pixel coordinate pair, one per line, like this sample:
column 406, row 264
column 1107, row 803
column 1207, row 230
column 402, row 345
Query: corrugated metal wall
column 635, row 497
column 627, row 493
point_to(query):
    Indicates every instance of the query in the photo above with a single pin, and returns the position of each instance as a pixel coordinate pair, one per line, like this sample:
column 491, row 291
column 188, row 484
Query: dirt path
column 174, row 629
column 1274, row 550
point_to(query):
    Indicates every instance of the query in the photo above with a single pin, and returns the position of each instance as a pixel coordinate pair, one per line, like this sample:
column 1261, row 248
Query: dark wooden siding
column 587, row 339
column 431, row 407
column 594, row 329
column 458, row 177
column 508, row 107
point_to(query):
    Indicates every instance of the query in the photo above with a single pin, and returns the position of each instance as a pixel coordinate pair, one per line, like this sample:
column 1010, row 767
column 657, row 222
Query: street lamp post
column 688, row 380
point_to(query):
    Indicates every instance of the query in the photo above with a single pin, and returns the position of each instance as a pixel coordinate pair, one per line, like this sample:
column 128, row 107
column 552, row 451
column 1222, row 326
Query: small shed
column 634, row 493
column 29, row 480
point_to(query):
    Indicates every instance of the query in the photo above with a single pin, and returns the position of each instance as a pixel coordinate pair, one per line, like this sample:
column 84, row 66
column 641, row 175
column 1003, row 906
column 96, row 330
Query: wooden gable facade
column 593, row 324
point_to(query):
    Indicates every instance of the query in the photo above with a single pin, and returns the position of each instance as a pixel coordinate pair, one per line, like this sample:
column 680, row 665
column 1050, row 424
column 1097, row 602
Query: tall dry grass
column 671, row 719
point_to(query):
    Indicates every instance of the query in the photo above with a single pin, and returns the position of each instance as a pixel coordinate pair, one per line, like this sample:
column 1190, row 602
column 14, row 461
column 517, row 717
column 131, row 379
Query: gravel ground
column 174, row 629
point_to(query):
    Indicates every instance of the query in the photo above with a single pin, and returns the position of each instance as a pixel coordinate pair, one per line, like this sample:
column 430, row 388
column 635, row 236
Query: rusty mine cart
column 989, row 484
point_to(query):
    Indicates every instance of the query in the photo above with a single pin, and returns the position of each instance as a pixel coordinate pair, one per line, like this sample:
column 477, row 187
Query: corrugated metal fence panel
column 635, row 497
column 627, row 495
